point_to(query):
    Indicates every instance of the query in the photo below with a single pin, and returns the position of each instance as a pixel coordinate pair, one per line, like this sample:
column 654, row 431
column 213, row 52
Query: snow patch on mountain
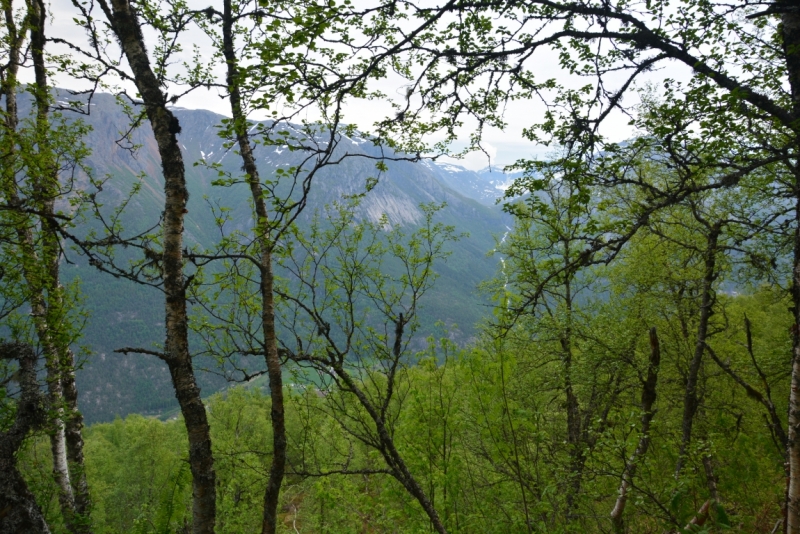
column 486, row 186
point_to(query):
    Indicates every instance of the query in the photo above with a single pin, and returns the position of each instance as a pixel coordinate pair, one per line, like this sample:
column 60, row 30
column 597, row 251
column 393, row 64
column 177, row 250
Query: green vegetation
column 530, row 428
column 484, row 429
column 640, row 367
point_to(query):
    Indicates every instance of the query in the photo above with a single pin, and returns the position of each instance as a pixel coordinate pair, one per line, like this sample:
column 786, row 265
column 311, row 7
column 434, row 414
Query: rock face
column 125, row 314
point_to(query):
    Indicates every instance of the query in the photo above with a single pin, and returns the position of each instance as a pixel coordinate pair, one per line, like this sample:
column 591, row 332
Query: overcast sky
column 502, row 146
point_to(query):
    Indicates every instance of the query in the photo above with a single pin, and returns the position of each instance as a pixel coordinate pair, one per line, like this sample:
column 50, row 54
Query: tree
column 353, row 321
column 538, row 280
column 247, row 83
column 125, row 25
column 740, row 106
column 254, row 43
column 20, row 509
column 42, row 156
column 649, row 395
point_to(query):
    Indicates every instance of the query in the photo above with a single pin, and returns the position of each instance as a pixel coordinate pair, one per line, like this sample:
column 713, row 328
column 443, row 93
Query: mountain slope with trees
column 123, row 313
column 620, row 384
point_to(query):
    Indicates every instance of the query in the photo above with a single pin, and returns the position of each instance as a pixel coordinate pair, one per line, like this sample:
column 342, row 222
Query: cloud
column 476, row 160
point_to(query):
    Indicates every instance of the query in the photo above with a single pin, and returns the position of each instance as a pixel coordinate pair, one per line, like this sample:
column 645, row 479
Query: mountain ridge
column 125, row 314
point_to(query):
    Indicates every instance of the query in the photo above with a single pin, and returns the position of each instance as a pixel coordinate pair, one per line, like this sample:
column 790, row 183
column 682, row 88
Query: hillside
column 126, row 314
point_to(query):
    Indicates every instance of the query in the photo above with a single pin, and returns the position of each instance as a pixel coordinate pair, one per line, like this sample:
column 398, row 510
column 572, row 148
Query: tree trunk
column 19, row 511
column 73, row 431
column 793, row 434
column 265, row 245
column 648, row 399
column 32, row 273
column 63, row 362
column 700, row 517
column 40, row 271
column 711, row 478
column 574, row 431
column 690, row 401
column 390, row 453
column 125, row 25
column 790, row 28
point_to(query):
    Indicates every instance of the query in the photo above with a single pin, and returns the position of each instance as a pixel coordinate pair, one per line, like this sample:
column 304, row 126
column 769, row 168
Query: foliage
column 483, row 429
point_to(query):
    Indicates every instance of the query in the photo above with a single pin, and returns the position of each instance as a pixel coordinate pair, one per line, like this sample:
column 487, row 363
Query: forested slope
column 123, row 313
column 630, row 364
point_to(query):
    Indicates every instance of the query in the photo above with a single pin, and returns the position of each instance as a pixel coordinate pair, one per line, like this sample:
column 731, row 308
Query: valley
column 123, row 313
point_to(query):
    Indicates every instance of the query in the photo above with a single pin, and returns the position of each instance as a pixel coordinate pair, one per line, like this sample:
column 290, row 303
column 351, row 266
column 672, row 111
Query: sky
column 502, row 147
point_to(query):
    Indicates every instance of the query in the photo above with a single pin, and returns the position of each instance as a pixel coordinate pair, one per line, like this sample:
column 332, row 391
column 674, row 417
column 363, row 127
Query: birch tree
column 148, row 76
column 42, row 157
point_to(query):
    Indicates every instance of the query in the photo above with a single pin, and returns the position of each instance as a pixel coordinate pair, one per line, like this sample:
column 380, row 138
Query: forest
column 634, row 362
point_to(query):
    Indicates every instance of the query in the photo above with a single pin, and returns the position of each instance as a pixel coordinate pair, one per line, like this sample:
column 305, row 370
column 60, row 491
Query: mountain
column 126, row 314
column 487, row 185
